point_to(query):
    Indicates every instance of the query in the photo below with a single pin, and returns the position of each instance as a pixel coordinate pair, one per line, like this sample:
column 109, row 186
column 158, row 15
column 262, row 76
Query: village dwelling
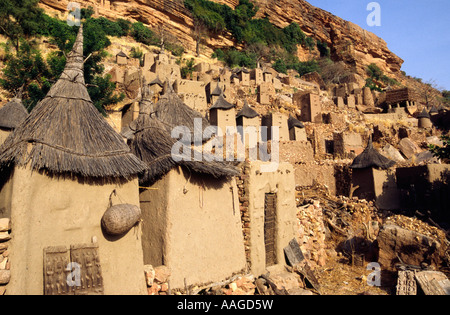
column 248, row 119
column 374, row 179
column 157, row 87
column 424, row 120
column 65, row 174
column 122, row 59
column 11, row 116
column 223, row 115
column 274, row 121
column 425, row 188
column 215, row 94
column 268, row 213
column 190, row 209
column 297, row 130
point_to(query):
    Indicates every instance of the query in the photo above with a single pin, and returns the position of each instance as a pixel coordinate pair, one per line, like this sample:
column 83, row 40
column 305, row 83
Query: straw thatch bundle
column 247, row 111
column 370, row 157
column 294, row 123
column 153, row 144
column 171, row 110
column 13, row 113
column 424, row 114
column 222, row 103
column 65, row 134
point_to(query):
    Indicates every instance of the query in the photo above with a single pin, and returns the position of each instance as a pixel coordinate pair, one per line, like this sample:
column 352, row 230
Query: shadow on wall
column 425, row 191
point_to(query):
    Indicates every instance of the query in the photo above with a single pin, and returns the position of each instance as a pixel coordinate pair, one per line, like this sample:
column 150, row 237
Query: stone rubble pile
column 5, row 237
column 157, row 279
column 311, row 233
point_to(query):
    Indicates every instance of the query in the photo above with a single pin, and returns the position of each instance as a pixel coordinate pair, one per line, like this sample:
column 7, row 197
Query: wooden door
column 270, row 207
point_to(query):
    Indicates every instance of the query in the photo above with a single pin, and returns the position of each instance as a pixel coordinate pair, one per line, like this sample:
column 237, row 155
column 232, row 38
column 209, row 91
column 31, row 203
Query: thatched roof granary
column 13, row 113
column 424, row 114
column 294, row 123
column 247, row 112
column 73, row 187
column 65, row 133
column 222, row 103
column 172, row 112
column 152, row 143
column 371, row 158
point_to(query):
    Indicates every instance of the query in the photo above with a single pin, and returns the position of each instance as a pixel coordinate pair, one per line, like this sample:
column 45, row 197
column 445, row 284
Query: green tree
column 23, row 69
column 441, row 152
column 102, row 92
column 20, row 19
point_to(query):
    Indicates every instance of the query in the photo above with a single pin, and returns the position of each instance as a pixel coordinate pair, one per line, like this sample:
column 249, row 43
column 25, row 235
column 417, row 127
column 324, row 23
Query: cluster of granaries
column 89, row 207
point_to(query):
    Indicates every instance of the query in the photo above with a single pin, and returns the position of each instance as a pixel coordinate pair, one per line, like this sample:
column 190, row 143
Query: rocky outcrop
column 348, row 42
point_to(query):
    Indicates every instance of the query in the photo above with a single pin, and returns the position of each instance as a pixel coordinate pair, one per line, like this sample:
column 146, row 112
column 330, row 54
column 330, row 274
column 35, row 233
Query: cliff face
column 348, row 42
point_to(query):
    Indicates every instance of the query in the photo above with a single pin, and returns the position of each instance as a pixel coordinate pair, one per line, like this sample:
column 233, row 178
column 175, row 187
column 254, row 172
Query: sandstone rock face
column 348, row 42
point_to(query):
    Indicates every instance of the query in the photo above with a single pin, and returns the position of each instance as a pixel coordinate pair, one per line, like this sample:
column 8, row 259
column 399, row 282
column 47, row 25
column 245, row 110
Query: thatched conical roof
column 294, row 122
column 247, row 111
column 424, row 114
column 157, row 81
column 13, row 113
column 222, row 103
column 172, row 112
column 433, row 110
column 153, row 144
column 217, row 91
column 370, row 157
column 65, row 133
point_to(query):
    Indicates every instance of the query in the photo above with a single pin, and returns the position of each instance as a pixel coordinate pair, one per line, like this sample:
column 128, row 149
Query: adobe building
column 122, row 59
column 190, row 209
column 425, row 188
column 268, row 213
column 244, row 76
column 248, row 117
column 157, row 87
column 297, row 131
column 149, row 60
column 67, row 172
column 265, row 91
column 368, row 97
column 424, row 120
column 339, row 101
column 267, row 75
column 11, row 116
column 257, row 75
column 129, row 113
column 310, row 106
column 215, row 94
column 347, row 144
column 223, row 115
column 276, row 120
column 351, row 101
column 374, row 177
column 193, row 94
column 403, row 97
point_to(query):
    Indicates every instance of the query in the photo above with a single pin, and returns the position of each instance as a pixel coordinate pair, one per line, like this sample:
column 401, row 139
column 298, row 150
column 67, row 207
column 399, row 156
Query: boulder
column 408, row 147
column 411, row 247
column 390, row 152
